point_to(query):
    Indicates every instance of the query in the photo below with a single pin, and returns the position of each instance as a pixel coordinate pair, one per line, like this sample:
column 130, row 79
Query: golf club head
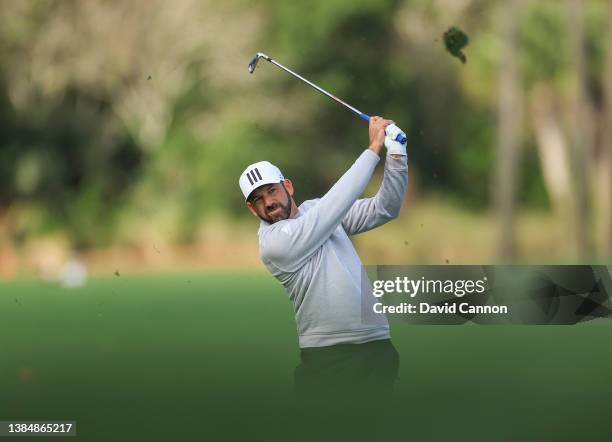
column 253, row 63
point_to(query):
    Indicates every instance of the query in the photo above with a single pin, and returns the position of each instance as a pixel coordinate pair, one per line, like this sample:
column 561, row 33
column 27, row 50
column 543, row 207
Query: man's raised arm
column 369, row 213
column 286, row 244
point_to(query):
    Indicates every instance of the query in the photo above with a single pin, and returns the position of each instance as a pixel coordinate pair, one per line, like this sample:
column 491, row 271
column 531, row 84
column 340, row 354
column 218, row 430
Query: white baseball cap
column 257, row 175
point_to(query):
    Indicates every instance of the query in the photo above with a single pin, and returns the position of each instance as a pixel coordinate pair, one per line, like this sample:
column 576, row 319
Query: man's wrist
column 375, row 149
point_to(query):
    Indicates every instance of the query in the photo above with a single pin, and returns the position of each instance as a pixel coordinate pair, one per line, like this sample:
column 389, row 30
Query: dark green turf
column 211, row 357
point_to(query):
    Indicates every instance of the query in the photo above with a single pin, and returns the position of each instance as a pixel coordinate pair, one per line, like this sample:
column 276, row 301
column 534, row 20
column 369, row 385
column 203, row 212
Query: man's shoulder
column 284, row 226
column 273, row 243
column 266, row 228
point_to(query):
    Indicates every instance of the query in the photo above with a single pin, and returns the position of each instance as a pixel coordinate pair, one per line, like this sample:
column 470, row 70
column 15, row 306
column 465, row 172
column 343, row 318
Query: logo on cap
column 254, row 176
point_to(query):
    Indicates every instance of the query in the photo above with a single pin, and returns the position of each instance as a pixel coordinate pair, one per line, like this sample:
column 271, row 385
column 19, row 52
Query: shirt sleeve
column 287, row 244
column 369, row 213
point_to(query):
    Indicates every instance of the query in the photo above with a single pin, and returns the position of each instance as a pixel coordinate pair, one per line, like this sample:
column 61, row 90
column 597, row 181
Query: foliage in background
column 125, row 120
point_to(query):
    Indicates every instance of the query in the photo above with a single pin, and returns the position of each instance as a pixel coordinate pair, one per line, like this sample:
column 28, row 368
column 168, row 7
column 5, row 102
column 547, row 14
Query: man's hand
column 395, row 148
column 377, row 133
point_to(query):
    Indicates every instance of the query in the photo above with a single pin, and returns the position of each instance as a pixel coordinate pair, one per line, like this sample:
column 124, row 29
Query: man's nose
column 268, row 201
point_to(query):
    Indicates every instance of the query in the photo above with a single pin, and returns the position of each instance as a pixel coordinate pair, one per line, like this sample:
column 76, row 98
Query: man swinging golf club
column 307, row 248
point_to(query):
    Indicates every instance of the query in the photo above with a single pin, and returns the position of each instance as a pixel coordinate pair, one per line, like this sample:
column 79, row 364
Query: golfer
column 307, row 248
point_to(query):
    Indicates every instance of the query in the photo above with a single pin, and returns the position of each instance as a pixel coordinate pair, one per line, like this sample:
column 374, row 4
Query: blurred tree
column 96, row 98
column 581, row 126
column 552, row 149
column 563, row 76
column 606, row 182
column 509, row 132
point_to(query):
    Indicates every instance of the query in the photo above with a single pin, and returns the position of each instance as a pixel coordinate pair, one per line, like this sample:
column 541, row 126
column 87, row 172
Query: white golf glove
column 393, row 146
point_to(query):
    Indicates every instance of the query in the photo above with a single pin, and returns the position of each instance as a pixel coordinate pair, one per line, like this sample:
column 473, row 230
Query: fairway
column 212, row 356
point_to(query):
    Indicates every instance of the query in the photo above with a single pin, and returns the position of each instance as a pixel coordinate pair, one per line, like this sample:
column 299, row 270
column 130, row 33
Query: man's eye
column 272, row 190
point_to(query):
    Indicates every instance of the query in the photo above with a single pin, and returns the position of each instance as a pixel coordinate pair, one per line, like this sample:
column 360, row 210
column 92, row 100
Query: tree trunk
column 8, row 256
column 553, row 151
column 606, row 194
column 580, row 118
column 508, row 135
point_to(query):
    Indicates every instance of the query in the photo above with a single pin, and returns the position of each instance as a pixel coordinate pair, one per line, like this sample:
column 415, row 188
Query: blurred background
column 124, row 127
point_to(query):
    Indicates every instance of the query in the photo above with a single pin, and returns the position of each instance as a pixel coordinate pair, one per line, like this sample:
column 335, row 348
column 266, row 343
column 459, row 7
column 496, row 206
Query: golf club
column 253, row 64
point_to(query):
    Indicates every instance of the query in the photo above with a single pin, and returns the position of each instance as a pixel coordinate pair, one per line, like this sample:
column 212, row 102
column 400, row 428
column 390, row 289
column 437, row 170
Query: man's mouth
column 275, row 212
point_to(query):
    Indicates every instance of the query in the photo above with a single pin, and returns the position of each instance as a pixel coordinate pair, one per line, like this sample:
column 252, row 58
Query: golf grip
column 399, row 137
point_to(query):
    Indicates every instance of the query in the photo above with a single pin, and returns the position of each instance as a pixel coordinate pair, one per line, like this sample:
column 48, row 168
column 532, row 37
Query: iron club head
column 253, row 63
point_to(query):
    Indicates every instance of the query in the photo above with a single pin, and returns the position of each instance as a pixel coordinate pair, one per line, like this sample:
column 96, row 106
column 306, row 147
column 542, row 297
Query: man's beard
column 285, row 210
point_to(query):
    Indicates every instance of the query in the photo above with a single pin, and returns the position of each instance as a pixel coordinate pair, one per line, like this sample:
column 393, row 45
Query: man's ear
column 250, row 206
column 289, row 186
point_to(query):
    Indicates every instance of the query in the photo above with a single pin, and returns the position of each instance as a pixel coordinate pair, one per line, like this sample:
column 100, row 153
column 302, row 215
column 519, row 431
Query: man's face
column 271, row 202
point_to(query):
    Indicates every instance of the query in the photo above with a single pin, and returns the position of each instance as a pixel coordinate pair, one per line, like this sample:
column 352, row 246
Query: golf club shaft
column 363, row 116
column 399, row 135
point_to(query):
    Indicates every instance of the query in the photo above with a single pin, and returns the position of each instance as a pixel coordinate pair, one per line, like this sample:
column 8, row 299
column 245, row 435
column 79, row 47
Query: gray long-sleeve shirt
column 313, row 257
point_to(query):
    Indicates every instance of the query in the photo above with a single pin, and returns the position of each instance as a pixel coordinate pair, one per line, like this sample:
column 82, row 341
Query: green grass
column 211, row 357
